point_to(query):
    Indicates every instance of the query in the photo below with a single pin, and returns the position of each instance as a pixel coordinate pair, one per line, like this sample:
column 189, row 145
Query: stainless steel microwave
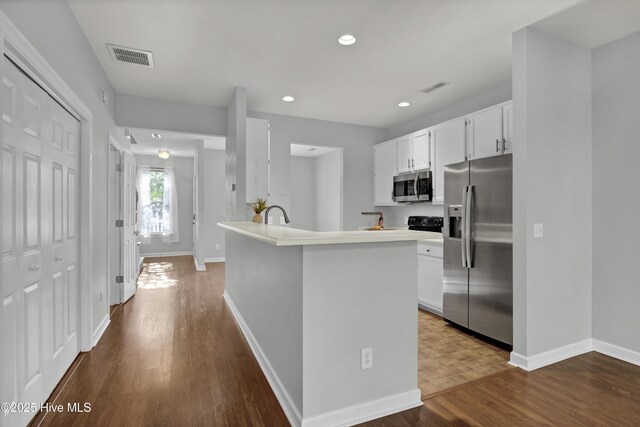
column 412, row 187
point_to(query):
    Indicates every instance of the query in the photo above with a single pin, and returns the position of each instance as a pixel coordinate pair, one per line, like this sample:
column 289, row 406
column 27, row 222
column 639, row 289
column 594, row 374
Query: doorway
column 316, row 187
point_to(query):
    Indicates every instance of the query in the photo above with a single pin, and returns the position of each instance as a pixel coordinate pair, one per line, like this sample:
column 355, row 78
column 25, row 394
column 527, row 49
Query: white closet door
column 128, row 215
column 39, row 284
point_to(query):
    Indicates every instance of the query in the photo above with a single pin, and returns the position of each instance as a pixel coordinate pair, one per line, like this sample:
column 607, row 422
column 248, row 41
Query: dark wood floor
column 174, row 356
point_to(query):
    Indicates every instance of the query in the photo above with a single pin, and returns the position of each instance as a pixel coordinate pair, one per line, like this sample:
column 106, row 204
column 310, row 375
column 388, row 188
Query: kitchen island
column 309, row 303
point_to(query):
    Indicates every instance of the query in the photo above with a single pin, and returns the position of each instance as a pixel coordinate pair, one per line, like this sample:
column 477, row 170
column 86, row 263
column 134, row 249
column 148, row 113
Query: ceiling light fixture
column 288, row 98
column 404, row 104
column 156, row 136
column 347, row 39
column 163, row 154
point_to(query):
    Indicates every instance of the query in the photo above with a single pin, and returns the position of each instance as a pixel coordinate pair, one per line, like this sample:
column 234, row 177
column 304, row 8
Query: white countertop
column 286, row 236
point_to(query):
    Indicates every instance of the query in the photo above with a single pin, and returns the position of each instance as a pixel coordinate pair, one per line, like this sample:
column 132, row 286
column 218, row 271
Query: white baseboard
column 217, row 259
column 100, row 330
column 430, row 306
column 165, row 254
column 366, row 411
column 289, row 408
column 199, row 267
column 552, row 356
column 617, row 352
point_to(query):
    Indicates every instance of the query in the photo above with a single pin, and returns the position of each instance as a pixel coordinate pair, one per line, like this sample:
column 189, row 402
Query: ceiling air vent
column 435, row 87
column 130, row 55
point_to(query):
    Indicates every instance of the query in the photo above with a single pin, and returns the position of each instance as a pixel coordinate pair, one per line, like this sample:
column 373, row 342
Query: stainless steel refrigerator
column 478, row 246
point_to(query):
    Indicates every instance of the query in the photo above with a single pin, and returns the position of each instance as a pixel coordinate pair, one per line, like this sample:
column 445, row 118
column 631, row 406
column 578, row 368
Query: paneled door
column 39, row 242
column 129, row 262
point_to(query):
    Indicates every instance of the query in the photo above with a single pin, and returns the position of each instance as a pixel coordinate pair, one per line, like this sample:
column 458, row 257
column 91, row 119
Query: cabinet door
column 404, row 153
column 430, row 275
column 507, row 128
column 484, row 133
column 448, row 145
column 384, row 169
column 420, row 158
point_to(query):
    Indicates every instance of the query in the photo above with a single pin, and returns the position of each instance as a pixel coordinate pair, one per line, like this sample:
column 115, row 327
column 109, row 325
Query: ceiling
column 299, row 150
column 178, row 144
column 203, row 49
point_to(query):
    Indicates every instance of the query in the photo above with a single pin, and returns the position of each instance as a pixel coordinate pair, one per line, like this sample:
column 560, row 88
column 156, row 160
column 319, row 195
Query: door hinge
column 119, row 223
column 119, row 279
column 119, row 167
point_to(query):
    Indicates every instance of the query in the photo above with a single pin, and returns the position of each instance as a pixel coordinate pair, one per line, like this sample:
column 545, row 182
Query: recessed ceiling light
column 288, row 98
column 403, row 104
column 347, row 39
column 163, row 154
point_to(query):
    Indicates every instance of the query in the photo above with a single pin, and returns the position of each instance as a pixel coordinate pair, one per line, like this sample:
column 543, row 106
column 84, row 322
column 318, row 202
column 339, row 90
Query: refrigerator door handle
column 463, row 227
column 467, row 225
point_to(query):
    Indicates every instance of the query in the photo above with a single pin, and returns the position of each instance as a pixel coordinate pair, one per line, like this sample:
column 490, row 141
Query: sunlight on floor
column 157, row 275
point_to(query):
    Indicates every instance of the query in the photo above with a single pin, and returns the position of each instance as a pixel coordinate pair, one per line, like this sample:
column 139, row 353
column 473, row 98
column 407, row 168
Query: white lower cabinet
column 430, row 275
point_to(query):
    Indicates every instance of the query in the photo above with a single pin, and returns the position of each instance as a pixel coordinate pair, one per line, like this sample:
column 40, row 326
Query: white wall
column 214, row 204
column 51, row 27
column 303, row 193
column 552, row 186
column 328, row 182
column 151, row 113
column 183, row 169
column 616, row 193
column 357, row 142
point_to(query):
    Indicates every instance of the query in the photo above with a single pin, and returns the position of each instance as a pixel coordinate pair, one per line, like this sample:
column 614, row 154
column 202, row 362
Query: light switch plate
column 537, row 231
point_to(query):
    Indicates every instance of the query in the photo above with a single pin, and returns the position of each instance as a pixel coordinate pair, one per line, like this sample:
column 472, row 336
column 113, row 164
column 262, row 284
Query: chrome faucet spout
column 266, row 214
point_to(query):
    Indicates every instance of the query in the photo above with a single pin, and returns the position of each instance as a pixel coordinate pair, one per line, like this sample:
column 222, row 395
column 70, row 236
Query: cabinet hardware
column 498, row 145
column 504, row 145
column 58, row 258
column 35, row 267
column 413, row 164
column 408, row 163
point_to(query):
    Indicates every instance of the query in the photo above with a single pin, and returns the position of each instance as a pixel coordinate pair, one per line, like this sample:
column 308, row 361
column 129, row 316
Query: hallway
column 171, row 356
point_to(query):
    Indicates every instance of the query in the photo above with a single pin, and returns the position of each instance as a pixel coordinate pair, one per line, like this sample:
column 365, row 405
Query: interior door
column 39, row 287
column 491, row 277
column 115, row 232
column 129, row 262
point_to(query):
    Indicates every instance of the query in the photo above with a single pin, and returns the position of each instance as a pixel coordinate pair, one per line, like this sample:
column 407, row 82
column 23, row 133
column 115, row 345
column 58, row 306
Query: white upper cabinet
column 413, row 152
column 421, row 155
column 384, row 169
column 404, row 153
column 258, row 151
column 489, row 131
column 448, row 145
column 507, row 127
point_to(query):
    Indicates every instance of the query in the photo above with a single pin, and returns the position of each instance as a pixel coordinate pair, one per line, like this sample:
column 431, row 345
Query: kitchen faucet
column 266, row 214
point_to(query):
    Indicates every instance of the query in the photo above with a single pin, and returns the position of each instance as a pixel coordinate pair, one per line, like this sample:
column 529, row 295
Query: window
column 156, row 196
column 157, row 203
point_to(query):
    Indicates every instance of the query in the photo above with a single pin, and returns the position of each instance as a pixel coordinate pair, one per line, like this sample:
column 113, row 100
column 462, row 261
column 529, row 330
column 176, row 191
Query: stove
column 426, row 223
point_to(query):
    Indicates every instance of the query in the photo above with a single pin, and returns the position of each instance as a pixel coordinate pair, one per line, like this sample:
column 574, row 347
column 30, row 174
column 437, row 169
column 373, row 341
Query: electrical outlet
column 282, row 220
column 217, row 247
column 366, row 358
column 537, row 231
